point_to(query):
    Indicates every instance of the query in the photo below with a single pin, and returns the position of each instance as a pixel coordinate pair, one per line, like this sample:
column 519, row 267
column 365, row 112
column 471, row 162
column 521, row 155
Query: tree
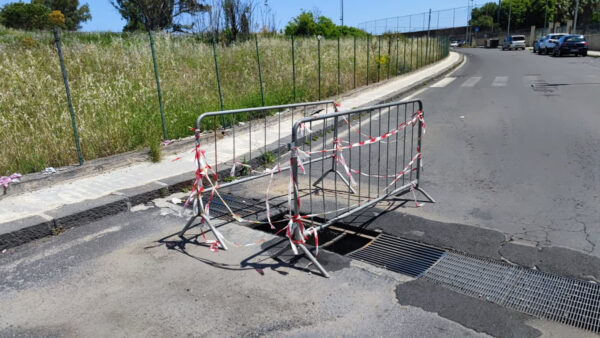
column 156, row 14
column 24, row 16
column 306, row 25
column 74, row 14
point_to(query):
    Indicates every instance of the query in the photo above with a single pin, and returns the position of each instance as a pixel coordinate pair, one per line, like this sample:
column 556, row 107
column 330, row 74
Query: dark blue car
column 571, row 44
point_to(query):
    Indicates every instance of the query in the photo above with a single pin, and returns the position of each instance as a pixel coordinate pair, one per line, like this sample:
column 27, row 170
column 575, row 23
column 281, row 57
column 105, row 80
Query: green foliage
column 114, row 91
column 268, row 158
column 156, row 14
column 24, row 16
column 306, row 25
column 74, row 14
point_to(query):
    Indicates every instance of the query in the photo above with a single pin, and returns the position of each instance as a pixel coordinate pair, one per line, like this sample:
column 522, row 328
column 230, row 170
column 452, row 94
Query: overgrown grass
column 114, row 90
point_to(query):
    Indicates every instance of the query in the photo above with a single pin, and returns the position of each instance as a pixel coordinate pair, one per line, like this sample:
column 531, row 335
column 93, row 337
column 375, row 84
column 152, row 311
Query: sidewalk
column 35, row 214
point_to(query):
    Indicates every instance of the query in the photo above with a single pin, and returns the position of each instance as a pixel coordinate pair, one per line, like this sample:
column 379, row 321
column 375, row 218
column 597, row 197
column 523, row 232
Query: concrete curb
column 15, row 233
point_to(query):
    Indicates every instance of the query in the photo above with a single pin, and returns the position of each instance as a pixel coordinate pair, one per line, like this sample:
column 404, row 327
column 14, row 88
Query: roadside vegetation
column 113, row 87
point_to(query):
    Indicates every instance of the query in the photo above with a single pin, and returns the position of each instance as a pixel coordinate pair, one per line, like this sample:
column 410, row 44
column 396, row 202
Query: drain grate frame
column 566, row 300
column 398, row 255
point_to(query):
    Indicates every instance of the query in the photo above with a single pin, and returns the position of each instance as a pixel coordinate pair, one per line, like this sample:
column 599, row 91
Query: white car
column 514, row 42
column 454, row 43
column 547, row 45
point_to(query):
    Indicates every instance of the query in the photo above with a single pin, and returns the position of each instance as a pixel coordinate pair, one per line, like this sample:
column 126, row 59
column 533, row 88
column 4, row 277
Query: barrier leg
column 217, row 234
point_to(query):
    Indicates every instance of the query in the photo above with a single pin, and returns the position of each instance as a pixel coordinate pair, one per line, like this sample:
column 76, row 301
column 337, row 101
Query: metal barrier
column 255, row 137
column 376, row 154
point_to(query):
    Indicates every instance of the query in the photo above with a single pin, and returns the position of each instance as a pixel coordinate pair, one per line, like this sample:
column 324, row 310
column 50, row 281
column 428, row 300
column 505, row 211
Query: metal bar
column 214, row 45
column 368, row 47
column 262, row 92
column 397, row 54
column 354, row 77
column 293, row 68
column 63, row 70
column 160, row 104
column 319, row 58
column 339, row 77
column 378, row 57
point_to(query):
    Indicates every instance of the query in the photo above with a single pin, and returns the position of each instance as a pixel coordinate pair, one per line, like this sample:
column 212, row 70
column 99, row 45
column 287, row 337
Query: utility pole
column 428, row 29
column 498, row 14
column 575, row 19
column 509, row 14
column 546, row 19
column 342, row 18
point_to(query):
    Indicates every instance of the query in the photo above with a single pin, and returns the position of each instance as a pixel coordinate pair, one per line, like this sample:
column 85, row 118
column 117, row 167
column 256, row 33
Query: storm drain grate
column 243, row 207
column 566, row 300
column 398, row 255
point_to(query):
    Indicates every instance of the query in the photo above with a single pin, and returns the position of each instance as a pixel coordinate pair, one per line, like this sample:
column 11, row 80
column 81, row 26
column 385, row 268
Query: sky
column 106, row 18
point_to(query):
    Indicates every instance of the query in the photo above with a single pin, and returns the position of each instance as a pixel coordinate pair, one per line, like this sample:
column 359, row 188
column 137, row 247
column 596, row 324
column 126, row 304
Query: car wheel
column 558, row 53
column 583, row 53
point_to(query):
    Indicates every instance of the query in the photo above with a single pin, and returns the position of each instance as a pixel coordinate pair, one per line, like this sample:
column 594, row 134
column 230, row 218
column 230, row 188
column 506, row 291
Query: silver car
column 514, row 42
column 547, row 46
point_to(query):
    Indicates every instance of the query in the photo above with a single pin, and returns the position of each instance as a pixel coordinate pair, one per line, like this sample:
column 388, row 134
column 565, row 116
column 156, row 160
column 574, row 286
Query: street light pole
column 575, row 19
column 342, row 18
column 509, row 14
column 546, row 18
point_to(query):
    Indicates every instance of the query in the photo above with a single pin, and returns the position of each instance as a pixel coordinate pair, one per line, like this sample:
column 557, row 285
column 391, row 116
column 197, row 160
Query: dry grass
column 114, row 91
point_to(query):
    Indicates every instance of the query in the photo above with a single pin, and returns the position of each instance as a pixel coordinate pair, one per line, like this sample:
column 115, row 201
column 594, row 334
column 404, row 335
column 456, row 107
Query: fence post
column 404, row 57
column 160, row 104
column 368, row 47
column 262, row 92
column 389, row 56
column 378, row 57
column 338, row 66
column 294, row 68
column 214, row 45
column 397, row 54
column 319, row 60
column 354, row 78
column 68, row 91
column 412, row 42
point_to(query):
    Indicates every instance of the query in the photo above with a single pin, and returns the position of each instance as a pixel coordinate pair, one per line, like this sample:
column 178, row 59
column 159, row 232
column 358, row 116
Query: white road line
column 500, row 81
column 443, row 82
column 471, row 82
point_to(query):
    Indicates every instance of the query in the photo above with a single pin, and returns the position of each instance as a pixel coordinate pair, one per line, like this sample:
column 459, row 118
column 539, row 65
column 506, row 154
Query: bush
column 24, row 16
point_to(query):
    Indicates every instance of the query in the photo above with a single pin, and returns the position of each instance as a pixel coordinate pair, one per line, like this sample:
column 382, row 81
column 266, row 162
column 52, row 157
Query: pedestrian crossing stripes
column 443, row 82
column 498, row 81
column 471, row 82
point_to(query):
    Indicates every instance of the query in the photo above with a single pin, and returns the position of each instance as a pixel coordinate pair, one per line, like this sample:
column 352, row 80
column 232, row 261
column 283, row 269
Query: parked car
column 571, row 44
column 537, row 43
column 454, row 43
column 547, row 46
column 514, row 42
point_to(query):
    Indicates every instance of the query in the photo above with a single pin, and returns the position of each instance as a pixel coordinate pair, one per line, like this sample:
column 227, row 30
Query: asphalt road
column 111, row 278
column 512, row 145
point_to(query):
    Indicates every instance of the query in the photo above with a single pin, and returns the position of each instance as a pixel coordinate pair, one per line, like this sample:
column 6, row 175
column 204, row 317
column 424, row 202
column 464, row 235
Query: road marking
column 471, row 82
column 443, row 82
column 500, row 81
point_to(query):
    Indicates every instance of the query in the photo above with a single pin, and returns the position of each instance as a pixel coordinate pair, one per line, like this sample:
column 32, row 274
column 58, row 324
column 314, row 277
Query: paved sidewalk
column 36, row 213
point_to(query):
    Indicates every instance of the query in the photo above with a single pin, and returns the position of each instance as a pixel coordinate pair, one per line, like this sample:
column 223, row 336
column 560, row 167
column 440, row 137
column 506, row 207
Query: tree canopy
column 156, row 14
column 526, row 13
column 24, row 16
column 305, row 24
column 74, row 14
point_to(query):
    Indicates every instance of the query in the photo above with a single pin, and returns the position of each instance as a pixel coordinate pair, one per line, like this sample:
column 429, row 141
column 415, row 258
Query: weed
column 57, row 231
column 268, row 158
column 229, row 178
column 155, row 153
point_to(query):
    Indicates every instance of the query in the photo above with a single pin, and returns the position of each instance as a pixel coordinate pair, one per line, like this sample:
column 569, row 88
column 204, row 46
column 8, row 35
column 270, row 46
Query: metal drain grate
column 566, row 300
column 243, row 207
column 399, row 255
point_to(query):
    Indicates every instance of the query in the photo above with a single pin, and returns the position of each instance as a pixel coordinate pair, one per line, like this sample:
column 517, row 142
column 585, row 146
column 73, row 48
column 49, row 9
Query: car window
column 575, row 39
column 555, row 37
column 518, row 38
